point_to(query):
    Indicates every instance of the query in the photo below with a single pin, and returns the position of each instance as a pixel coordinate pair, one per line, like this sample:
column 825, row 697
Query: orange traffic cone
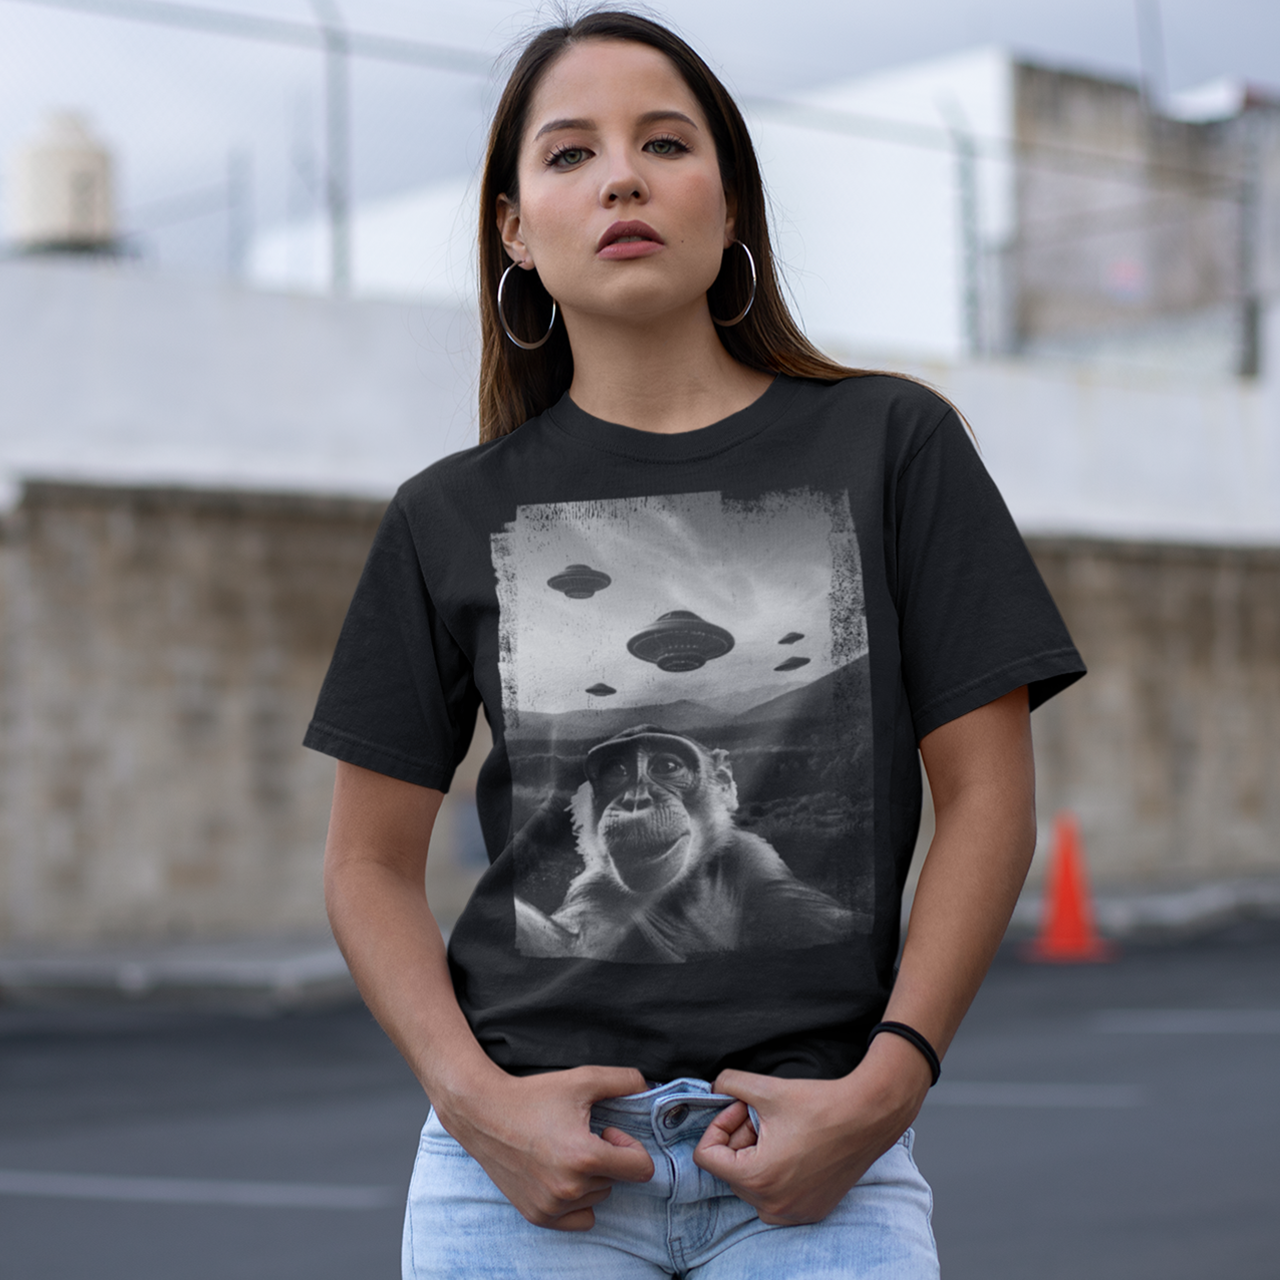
column 1067, row 933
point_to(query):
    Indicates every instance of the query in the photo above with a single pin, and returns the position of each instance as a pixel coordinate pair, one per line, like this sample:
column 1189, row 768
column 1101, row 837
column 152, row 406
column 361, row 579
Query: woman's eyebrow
column 649, row 117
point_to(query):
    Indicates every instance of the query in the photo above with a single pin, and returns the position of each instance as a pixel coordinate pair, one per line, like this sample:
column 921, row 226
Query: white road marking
column 1188, row 1022
column 201, row 1191
column 967, row 1093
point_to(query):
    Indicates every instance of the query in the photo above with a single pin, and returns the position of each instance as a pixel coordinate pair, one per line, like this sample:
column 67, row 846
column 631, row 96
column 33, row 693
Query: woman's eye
column 667, row 146
column 567, row 157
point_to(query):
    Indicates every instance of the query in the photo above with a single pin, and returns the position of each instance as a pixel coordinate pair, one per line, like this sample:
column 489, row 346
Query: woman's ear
column 730, row 217
column 508, row 215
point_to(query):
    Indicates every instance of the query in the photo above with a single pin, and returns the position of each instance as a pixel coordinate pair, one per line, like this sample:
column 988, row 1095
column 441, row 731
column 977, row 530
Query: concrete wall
column 110, row 371
column 1169, row 750
column 160, row 653
column 1119, row 218
column 1128, row 219
column 162, row 650
column 1134, row 455
column 112, row 375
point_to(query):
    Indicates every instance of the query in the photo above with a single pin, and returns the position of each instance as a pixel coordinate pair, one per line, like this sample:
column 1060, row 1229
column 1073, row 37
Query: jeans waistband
column 677, row 1111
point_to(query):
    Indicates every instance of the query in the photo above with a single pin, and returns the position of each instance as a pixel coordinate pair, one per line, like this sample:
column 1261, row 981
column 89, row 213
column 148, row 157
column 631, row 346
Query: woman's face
column 621, row 206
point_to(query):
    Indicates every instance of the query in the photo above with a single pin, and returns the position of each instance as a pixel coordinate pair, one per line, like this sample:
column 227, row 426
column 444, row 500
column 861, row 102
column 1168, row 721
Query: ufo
column 602, row 690
column 791, row 637
column 680, row 641
column 579, row 581
column 791, row 664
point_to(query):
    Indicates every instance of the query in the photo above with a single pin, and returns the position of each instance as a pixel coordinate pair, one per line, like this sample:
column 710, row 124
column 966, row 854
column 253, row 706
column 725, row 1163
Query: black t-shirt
column 707, row 660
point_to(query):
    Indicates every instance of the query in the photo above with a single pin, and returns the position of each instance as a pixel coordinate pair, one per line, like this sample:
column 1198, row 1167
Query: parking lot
column 1102, row 1121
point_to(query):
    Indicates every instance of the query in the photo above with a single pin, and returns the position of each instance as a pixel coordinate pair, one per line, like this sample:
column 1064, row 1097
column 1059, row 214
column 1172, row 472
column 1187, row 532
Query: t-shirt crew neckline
column 683, row 446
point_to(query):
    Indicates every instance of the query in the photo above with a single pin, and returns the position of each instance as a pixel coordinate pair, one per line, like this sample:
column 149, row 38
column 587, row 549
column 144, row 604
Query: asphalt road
column 1117, row 1121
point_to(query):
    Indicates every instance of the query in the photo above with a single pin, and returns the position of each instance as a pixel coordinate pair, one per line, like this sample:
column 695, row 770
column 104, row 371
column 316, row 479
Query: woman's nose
column 623, row 183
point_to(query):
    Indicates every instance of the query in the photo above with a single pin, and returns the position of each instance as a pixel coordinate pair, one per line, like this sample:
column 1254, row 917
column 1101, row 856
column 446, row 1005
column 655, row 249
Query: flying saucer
column 579, row 581
column 601, row 690
column 680, row 641
column 791, row 664
column 791, row 637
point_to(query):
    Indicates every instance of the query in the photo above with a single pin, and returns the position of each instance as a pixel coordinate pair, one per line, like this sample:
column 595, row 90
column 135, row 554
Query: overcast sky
column 760, row 570
column 174, row 104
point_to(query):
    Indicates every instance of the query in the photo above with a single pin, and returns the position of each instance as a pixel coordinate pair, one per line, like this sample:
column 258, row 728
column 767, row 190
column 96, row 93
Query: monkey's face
column 643, row 796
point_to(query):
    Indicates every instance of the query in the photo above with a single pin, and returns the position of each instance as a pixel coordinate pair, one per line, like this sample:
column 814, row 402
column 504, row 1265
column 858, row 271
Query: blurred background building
column 193, row 468
column 1015, row 208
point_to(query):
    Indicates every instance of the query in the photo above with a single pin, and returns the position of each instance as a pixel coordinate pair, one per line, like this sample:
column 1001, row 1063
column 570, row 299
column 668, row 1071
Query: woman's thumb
column 746, row 1086
column 611, row 1082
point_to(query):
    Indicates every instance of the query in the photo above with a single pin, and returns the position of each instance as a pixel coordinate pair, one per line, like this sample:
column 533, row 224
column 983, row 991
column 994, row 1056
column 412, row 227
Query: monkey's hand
column 531, row 1135
column 816, row 1137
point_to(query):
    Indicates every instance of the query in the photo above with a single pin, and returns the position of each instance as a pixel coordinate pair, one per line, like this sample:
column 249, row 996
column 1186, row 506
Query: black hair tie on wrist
column 910, row 1033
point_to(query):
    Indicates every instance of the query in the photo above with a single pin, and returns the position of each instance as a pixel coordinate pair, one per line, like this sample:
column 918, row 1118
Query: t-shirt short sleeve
column 975, row 617
column 399, row 697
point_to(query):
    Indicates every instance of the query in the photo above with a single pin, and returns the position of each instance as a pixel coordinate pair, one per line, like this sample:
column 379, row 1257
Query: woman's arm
column 818, row 1137
column 530, row 1133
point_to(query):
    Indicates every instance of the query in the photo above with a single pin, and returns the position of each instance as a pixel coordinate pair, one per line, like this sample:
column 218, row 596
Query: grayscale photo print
column 689, row 738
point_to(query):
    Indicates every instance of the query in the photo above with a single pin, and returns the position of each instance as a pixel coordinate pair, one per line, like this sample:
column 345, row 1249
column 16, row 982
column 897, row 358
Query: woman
column 714, row 591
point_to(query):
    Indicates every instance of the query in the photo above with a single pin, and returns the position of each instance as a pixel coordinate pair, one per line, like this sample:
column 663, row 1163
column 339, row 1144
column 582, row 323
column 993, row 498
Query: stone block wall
column 162, row 649
column 1169, row 750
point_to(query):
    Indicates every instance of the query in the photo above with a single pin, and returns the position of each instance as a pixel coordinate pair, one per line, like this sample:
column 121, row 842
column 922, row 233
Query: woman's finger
column 616, row 1137
column 719, row 1159
column 725, row 1124
column 587, row 1201
column 746, row 1086
column 743, row 1136
column 622, row 1158
column 595, row 1083
column 578, row 1220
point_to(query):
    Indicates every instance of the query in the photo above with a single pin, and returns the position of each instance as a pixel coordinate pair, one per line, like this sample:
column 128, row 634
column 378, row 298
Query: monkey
column 667, row 872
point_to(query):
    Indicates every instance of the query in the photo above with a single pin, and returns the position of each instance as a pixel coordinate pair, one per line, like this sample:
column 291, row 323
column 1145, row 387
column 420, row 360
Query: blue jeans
column 682, row 1223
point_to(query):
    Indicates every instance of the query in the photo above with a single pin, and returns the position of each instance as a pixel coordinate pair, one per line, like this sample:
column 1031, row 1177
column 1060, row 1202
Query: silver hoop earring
column 520, row 342
column 742, row 315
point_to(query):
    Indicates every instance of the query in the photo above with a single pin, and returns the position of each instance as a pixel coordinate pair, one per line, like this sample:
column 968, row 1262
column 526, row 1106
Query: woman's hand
column 531, row 1133
column 817, row 1137
column 531, row 1136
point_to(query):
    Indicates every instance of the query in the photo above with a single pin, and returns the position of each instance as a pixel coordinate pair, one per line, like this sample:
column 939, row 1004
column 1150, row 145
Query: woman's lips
column 629, row 240
column 630, row 249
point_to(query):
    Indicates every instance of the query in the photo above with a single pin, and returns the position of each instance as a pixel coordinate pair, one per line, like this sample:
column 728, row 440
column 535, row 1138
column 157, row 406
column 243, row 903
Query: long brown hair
column 515, row 384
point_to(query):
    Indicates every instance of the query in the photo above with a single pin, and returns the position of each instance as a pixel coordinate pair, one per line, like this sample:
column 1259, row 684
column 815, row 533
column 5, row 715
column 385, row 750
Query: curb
column 267, row 974
column 1153, row 915
column 277, row 974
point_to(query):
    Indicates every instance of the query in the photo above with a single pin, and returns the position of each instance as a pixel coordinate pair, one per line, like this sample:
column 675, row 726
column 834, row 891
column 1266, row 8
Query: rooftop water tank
column 62, row 192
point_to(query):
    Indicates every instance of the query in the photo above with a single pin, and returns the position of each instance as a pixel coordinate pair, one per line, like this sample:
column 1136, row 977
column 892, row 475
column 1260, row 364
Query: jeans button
column 675, row 1117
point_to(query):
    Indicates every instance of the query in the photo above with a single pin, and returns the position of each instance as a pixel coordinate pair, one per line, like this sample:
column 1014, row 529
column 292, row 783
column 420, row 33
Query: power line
column 171, row 209
column 1050, row 155
column 329, row 36
column 473, row 62
column 247, row 26
column 1071, row 228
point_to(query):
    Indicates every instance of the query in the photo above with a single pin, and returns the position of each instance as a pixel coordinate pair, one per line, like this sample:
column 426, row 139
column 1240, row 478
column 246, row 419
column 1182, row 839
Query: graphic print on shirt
column 686, row 703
